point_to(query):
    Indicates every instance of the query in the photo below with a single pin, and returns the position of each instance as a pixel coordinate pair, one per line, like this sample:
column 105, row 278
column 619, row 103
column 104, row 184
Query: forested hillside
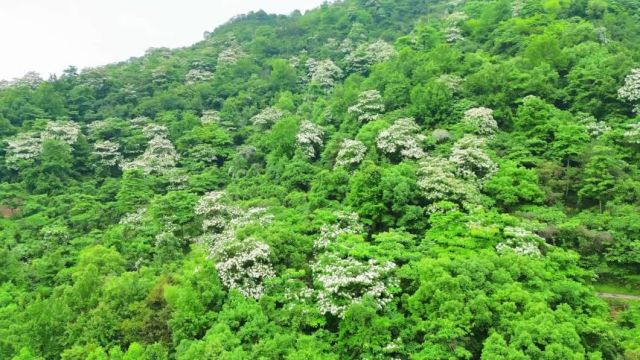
column 373, row 179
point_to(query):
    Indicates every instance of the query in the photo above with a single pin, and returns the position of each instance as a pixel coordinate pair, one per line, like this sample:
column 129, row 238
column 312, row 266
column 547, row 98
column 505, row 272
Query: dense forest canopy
column 373, row 179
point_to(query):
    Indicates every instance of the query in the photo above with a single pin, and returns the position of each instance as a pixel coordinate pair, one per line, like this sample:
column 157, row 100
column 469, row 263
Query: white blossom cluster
column 252, row 215
column 631, row 90
column 134, row 218
column 366, row 55
column 241, row 264
column 521, row 241
column 197, row 75
column 346, row 281
column 221, row 220
column 96, row 126
column 55, row 234
column 155, row 130
column 601, row 34
column 139, row 121
column 107, row 153
column 633, row 133
column 404, row 138
column 65, row 131
column 346, row 223
column 324, row 72
column 369, row 106
column 24, row 147
column 516, row 8
column 381, row 51
column 297, row 292
column 160, row 157
column 521, row 233
column 159, row 76
column 216, row 212
column 351, row 153
column 393, row 347
column 309, row 138
column 481, row 120
column 210, row 117
column 177, row 180
column 166, row 236
column 523, row 248
column 246, row 268
column 438, row 182
column 31, row 79
column 453, row 34
column 594, row 127
column 470, row 159
column 294, row 61
column 451, row 81
column 346, row 46
column 267, row 117
column 452, row 31
column 219, row 240
column 440, row 135
column 230, row 55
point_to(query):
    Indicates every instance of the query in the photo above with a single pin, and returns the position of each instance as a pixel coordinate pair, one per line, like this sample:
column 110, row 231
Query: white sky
column 48, row 35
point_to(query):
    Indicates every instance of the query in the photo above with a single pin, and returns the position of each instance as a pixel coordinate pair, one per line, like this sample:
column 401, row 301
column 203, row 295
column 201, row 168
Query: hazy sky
column 48, row 35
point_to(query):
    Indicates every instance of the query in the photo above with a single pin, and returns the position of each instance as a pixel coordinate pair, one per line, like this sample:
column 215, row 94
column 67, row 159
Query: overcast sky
column 48, row 35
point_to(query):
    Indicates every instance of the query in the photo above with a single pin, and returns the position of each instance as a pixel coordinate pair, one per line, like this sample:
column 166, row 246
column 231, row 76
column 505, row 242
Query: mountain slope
column 372, row 179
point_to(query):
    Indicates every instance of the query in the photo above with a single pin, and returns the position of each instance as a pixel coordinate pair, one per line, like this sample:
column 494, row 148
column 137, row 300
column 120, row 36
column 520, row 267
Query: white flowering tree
column 216, row 212
column 632, row 134
column 438, row 182
column 31, row 79
column 470, row 159
column 197, row 75
column 452, row 30
column 245, row 266
column 267, row 117
column 403, row 138
column 159, row 158
column 140, row 121
column 210, row 117
column 630, row 92
column 242, row 264
column 351, row 153
column 440, row 135
column 23, row 149
column 520, row 241
column 134, row 218
column 345, row 223
column 342, row 282
column 107, row 154
column 155, row 130
column 309, row 139
column 324, row 73
column 65, row 131
column 451, row 81
column 594, row 127
column 369, row 106
column 366, row 55
column 453, row 34
column 230, row 55
column 516, row 7
column 480, row 120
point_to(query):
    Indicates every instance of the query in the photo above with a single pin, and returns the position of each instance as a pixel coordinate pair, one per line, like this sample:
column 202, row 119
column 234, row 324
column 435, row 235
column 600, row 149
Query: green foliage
column 138, row 200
